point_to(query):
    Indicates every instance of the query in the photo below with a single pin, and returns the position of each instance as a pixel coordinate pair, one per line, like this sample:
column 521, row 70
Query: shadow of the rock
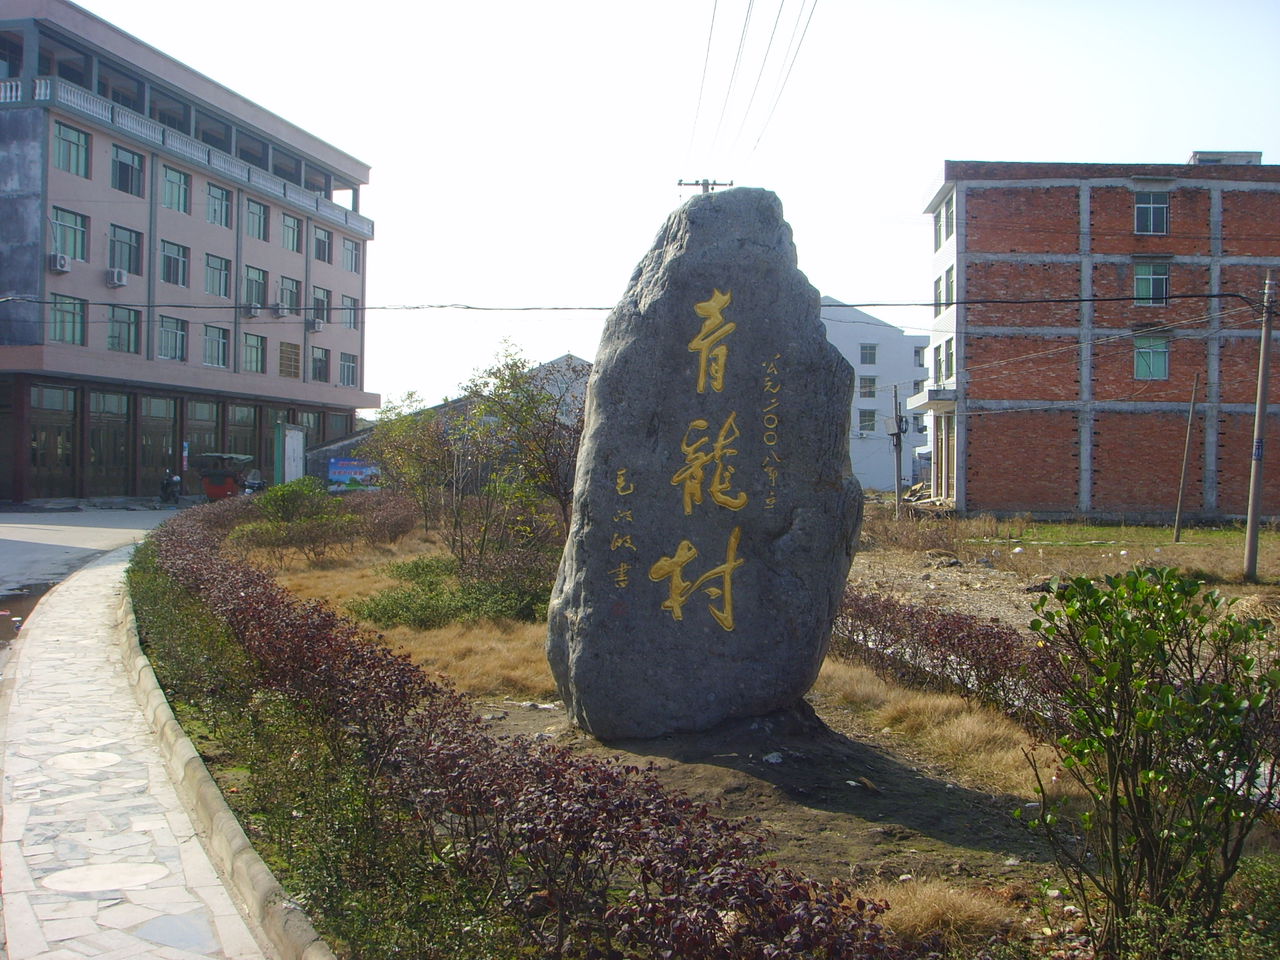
column 817, row 768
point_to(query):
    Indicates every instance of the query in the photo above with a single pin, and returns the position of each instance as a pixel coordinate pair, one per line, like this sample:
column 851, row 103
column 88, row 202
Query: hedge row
column 588, row 857
column 939, row 649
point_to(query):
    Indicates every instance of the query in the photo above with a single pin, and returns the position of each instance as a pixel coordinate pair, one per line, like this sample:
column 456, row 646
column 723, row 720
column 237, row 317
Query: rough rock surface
column 715, row 513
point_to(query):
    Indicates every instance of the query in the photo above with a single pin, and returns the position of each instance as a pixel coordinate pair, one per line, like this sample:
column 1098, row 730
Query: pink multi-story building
column 180, row 269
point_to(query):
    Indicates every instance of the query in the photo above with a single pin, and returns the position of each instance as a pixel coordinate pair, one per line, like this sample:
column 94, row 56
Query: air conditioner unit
column 252, row 309
column 315, row 324
column 59, row 263
column 279, row 310
column 117, row 277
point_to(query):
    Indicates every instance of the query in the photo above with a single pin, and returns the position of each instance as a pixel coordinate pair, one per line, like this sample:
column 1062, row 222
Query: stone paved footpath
column 99, row 858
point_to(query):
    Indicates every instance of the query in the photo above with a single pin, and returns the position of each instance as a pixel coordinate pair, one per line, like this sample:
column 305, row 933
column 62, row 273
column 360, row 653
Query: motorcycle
column 170, row 487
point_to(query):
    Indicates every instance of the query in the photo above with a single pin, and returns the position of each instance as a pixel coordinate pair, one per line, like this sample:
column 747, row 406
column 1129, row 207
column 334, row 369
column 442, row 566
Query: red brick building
column 1074, row 305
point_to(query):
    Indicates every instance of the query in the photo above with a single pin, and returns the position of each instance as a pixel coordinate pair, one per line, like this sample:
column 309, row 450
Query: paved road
column 44, row 547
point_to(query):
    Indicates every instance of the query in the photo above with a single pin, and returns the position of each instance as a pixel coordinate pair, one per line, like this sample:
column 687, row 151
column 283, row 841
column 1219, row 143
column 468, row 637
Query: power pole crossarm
column 706, row 185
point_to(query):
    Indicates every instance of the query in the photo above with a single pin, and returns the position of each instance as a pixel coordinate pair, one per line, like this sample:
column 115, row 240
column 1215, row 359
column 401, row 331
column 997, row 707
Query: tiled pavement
column 99, row 858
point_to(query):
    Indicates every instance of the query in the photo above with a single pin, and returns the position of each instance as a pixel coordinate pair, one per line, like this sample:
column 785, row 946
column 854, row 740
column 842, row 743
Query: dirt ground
column 843, row 800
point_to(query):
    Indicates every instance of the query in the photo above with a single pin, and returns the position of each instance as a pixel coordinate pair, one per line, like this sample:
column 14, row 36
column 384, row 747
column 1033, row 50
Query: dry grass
column 1033, row 549
column 854, row 685
column 933, row 908
column 485, row 658
column 976, row 742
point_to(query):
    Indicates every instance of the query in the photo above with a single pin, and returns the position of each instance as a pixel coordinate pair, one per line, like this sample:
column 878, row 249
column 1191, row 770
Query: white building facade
column 883, row 357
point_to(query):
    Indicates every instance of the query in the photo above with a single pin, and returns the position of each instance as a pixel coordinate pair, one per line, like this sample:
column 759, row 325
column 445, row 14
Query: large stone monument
column 715, row 513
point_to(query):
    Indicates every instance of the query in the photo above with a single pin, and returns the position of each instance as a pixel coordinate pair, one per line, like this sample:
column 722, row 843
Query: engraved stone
column 715, row 513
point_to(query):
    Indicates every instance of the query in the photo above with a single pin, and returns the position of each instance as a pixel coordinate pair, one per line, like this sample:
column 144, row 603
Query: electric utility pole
column 706, row 185
column 899, row 428
column 1259, row 433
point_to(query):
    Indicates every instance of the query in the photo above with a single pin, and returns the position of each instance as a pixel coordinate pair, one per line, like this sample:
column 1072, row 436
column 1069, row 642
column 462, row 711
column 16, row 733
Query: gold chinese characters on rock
column 707, row 447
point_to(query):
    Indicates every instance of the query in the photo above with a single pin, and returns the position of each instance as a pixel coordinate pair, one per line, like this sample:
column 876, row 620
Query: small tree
column 539, row 410
column 410, row 445
column 1168, row 726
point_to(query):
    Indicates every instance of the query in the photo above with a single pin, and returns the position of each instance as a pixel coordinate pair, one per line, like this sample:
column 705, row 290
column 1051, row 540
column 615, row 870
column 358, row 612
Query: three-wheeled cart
column 222, row 475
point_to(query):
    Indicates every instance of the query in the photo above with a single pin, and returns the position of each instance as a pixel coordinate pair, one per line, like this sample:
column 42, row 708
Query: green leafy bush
column 296, row 500
column 511, row 585
column 1167, row 725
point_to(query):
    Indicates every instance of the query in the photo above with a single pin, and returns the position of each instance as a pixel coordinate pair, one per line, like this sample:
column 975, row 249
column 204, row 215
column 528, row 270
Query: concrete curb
column 283, row 922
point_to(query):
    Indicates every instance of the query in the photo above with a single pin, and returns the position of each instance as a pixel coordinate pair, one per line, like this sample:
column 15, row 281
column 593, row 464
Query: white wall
column 871, row 451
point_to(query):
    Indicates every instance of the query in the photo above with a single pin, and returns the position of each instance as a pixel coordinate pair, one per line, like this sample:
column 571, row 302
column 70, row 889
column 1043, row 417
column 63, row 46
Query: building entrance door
column 107, row 468
column 53, row 434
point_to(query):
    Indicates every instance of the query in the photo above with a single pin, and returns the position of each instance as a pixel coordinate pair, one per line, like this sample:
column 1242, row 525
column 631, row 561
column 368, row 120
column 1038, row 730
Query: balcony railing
column 113, row 114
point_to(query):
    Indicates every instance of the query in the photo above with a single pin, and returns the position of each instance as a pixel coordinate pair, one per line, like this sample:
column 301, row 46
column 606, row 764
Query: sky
column 525, row 154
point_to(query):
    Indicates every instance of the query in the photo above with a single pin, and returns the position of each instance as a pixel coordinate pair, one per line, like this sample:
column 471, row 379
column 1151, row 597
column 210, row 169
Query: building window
column 216, row 340
column 350, row 255
column 1151, row 213
column 917, row 386
column 937, row 296
column 218, row 206
column 320, row 364
column 66, row 320
column 917, row 422
column 175, row 262
column 866, row 421
column 126, row 170
column 937, row 229
column 255, row 353
column 290, row 294
column 949, row 215
column 310, row 422
column 70, row 149
column 177, row 190
column 124, row 250
column 350, row 312
column 324, row 244
column 172, row 344
column 917, row 356
column 867, row 354
column 122, row 330
column 290, row 360
column 1151, row 284
column 1150, row 358
column 257, row 220
column 255, row 285
column 949, row 358
column 347, row 369
column 70, row 234
column 217, row 276
column 291, row 233
column 320, row 300
column 937, row 364
column 949, row 292
column 867, row 388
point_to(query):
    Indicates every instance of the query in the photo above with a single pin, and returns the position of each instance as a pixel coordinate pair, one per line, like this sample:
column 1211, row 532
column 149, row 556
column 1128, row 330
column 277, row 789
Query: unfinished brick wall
column 1235, row 458
column 1249, row 223
column 1114, row 368
column 1017, row 280
column 1022, row 220
column 1022, row 461
column 1117, row 280
column 1136, row 462
column 1111, row 222
column 1022, row 368
column 1238, row 371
